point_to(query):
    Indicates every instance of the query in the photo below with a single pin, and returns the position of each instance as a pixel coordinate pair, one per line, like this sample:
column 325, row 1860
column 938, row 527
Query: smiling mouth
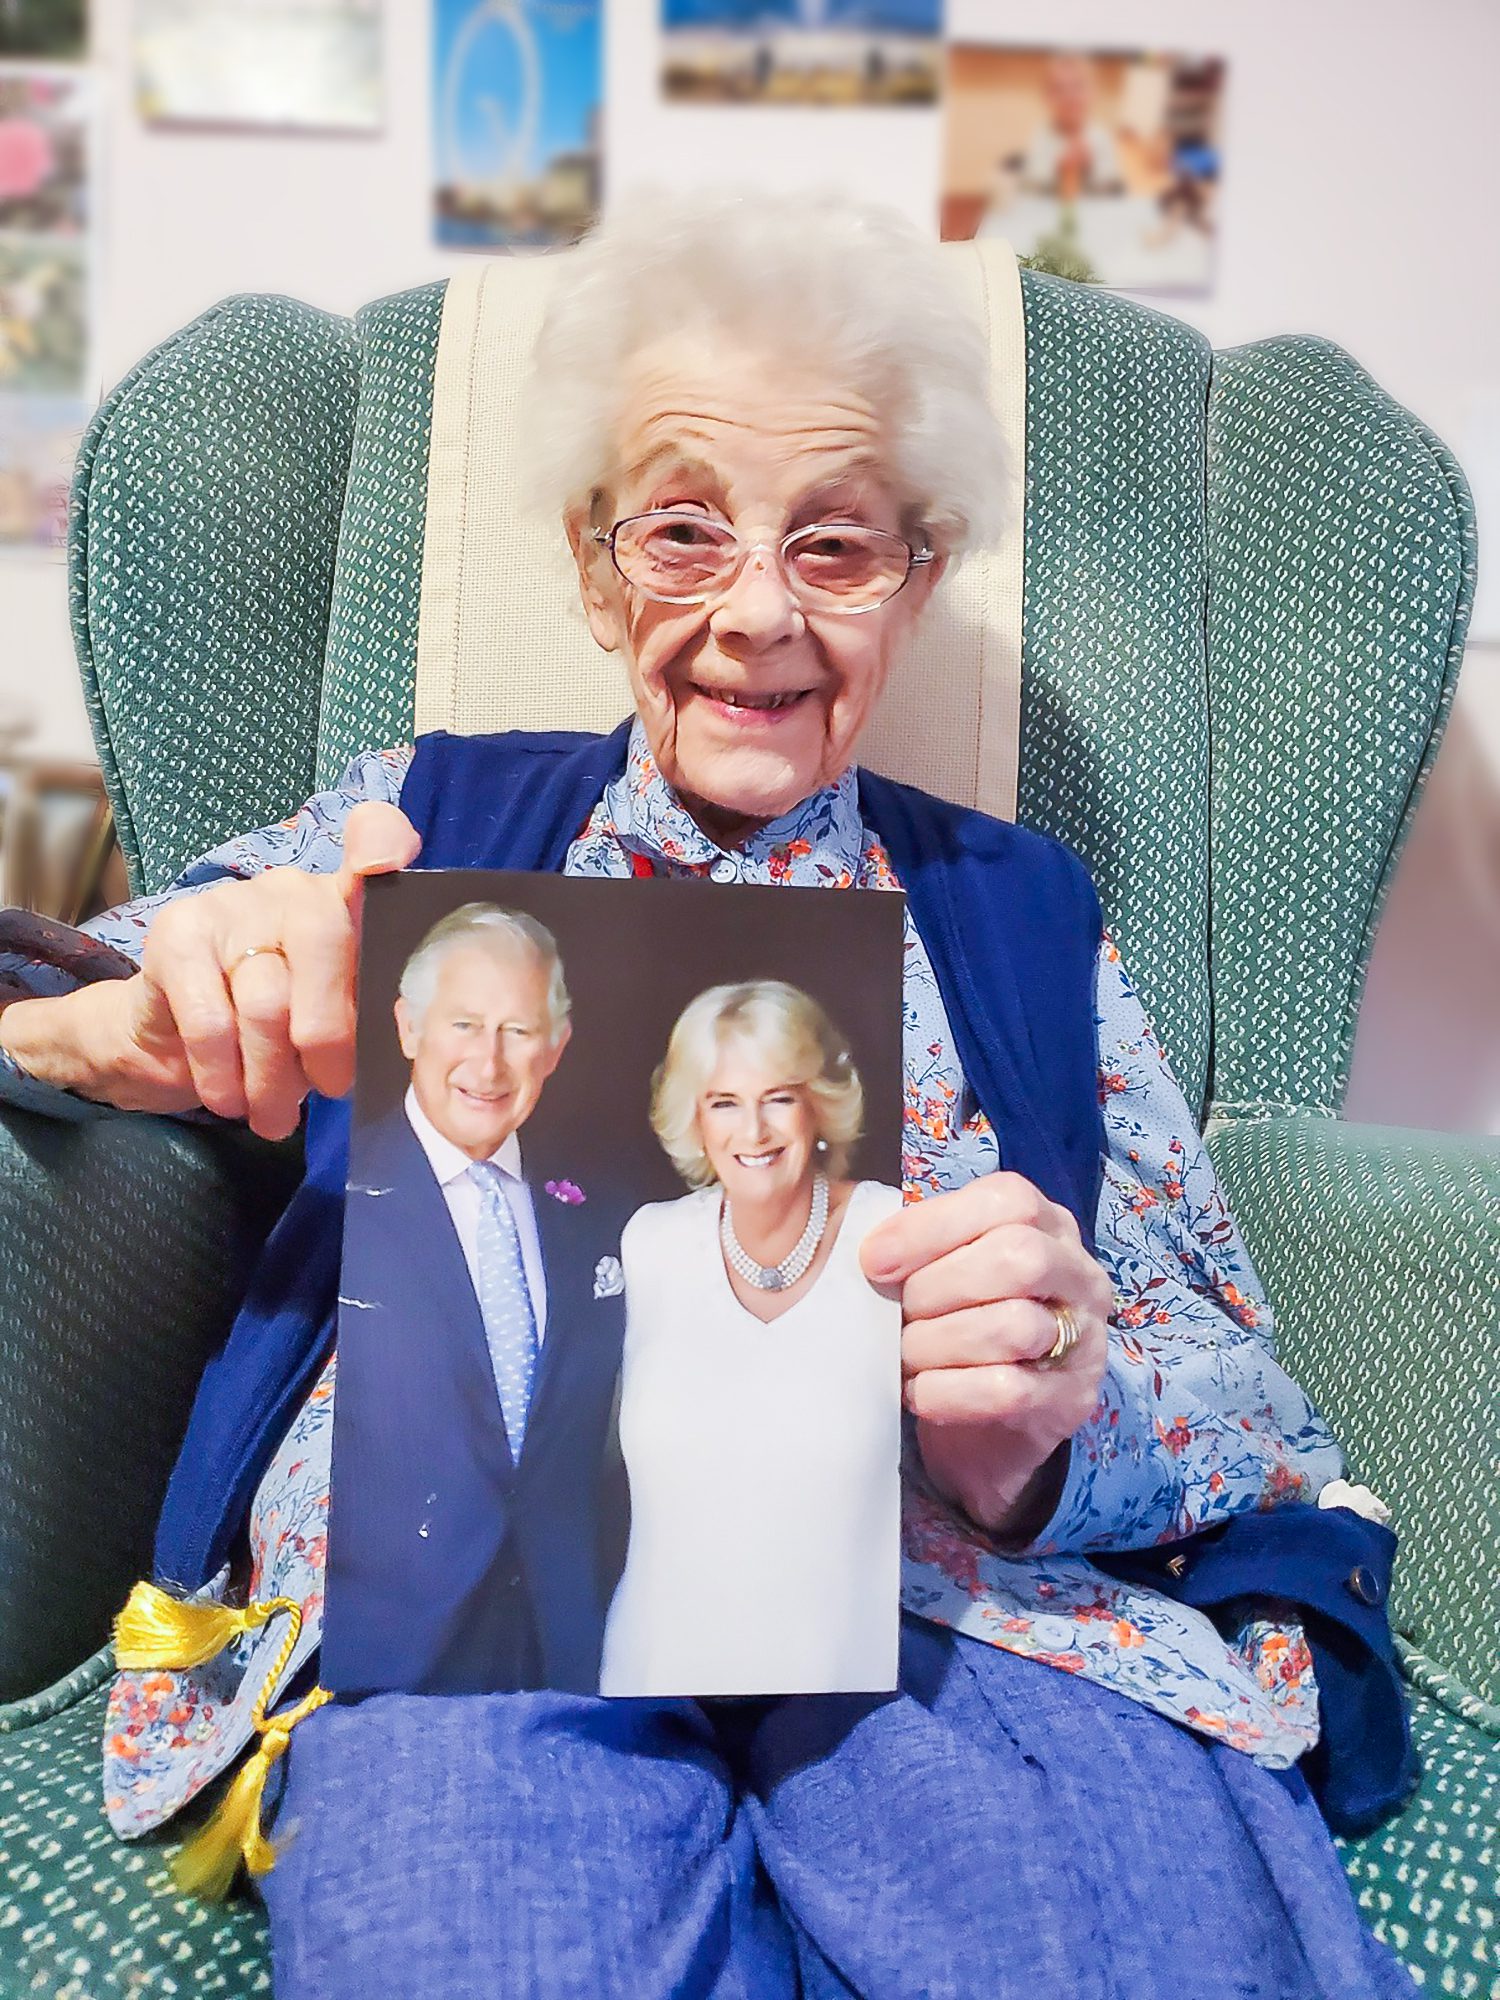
column 475, row 1097
column 743, row 698
column 759, row 1160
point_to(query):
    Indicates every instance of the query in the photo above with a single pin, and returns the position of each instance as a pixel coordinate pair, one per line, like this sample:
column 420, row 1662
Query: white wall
column 1359, row 196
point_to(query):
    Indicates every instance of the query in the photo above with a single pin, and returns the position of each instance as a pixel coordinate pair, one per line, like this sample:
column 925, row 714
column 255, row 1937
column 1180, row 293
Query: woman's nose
column 758, row 605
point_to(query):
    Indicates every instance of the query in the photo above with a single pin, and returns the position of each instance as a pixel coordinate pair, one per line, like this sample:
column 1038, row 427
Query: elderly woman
column 759, row 1415
column 768, row 427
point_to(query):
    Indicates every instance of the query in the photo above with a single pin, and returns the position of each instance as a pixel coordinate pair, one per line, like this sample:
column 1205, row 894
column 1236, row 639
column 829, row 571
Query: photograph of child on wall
column 617, row 1410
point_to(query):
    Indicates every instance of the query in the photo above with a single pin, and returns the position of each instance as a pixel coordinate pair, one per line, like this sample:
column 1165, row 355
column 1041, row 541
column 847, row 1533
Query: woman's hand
column 244, row 1001
column 979, row 1271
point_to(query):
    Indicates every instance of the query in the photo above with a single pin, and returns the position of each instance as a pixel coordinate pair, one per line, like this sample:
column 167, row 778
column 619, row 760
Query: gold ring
column 1069, row 1333
column 253, row 951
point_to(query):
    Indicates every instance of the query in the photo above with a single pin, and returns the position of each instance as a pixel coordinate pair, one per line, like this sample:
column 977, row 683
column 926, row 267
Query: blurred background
column 1254, row 166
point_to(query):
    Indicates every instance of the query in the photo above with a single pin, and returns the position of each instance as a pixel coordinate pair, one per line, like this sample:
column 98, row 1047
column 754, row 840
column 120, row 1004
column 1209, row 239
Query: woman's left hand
column 979, row 1272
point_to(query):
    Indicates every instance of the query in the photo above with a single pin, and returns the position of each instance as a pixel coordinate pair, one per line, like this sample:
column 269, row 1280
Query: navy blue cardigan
column 1011, row 923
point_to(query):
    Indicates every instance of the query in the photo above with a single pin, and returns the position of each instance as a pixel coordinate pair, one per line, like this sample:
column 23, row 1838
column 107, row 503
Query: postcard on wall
column 1103, row 165
column 286, row 65
column 44, row 151
column 45, row 249
column 39, row 440
column 836, row 52
column 43, row 30
column 617, row 1410
column 517, row 97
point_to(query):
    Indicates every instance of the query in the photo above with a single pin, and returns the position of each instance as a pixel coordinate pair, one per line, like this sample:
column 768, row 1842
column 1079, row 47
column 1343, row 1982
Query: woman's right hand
column 245, row 1000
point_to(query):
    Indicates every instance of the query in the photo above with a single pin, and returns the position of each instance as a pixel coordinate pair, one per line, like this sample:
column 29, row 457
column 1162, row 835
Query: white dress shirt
column 450, row 1166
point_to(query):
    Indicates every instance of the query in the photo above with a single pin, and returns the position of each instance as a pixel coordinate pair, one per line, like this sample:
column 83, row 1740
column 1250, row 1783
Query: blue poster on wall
column 517, row 88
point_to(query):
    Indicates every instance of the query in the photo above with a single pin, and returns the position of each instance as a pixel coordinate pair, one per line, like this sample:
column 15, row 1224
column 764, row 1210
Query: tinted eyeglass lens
column 675, row 555
column 848, row 567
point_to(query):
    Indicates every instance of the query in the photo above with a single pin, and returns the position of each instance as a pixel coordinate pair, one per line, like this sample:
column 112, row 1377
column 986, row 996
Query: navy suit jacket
column 451, row 1568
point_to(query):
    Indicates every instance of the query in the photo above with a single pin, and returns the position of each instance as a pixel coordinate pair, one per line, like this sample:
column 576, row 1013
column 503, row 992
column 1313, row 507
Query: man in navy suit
column 480, row 1331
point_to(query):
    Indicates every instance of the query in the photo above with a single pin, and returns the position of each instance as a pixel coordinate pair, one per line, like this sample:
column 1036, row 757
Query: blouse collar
column 818, row 841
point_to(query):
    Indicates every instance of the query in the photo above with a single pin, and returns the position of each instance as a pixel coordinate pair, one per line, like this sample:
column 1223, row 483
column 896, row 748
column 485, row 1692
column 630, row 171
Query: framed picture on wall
column 1100, row 164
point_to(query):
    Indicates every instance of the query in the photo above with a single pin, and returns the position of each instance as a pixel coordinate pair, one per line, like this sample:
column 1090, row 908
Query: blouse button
column 725, row 869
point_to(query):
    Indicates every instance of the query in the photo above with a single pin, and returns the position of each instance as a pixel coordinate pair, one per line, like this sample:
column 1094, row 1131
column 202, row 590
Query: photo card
column 617, row 1410
column 1102, row 165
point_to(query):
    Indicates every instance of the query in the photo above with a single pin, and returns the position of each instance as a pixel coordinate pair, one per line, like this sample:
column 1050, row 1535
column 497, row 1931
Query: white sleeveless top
column 764, row 1464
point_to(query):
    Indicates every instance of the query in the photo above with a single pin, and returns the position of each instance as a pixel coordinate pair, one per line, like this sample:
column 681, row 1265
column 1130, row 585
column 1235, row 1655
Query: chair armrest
column 125, row 1247
column 1381, row 1252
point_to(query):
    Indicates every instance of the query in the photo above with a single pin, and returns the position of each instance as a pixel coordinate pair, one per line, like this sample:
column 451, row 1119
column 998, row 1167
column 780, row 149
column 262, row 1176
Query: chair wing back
column 204, row 523
column 1341, row 559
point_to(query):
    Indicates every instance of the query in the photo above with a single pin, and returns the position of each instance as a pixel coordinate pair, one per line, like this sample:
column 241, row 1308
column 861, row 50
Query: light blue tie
column 505, row 1301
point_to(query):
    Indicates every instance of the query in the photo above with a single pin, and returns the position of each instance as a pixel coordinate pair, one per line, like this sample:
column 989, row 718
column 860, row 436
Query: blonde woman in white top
column 760, row 1413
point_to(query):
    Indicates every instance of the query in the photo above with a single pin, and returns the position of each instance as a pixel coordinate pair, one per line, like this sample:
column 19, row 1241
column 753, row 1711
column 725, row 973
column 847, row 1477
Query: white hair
column 818, row 280
column 501, row 932
column 783, row 1025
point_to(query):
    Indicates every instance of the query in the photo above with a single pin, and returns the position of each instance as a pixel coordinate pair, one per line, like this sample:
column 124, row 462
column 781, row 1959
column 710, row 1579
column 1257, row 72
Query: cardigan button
column 1364, row 1586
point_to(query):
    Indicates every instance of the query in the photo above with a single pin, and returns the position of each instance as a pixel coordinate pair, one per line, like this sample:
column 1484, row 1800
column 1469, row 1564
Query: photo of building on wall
column 1103, row 166
column 801, row 51
column 517, row 89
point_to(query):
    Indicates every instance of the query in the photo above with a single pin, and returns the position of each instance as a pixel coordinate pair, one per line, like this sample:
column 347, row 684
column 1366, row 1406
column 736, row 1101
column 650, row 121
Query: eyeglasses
column 837, row 566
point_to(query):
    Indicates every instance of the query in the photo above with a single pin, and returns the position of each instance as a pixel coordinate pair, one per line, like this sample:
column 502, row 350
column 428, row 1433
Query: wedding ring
column 1069, row 1333
column 253, row 951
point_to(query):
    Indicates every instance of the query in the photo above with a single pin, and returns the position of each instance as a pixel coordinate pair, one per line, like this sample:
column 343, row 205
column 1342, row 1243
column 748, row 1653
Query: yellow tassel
column 155, row 1630
column 207, row 1864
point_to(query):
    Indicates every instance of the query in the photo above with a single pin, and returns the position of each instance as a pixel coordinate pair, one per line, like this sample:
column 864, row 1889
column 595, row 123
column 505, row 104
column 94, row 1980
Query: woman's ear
column 597, row 580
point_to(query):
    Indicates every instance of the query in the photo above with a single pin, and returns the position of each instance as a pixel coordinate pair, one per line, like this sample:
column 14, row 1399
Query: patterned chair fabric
column 1249, row 567
column 1362, row 1236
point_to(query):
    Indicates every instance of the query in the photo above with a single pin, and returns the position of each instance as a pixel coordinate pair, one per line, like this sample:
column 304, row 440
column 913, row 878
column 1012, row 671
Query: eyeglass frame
column 605, row 538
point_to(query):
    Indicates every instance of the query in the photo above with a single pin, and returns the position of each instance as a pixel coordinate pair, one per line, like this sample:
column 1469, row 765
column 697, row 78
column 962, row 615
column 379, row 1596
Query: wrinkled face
column 749, row 703
column 758, row 1130
column 484, row 1047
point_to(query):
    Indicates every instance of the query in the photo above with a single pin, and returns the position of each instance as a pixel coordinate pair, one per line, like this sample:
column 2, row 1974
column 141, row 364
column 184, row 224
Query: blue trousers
column 999, row 1830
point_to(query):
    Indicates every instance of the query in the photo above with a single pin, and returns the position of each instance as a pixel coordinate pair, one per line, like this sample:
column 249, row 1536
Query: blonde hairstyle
column 820, row 280
column 501, row 932
column 784, row 1024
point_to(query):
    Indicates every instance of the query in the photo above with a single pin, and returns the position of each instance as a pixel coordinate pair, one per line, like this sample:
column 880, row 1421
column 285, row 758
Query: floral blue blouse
column 1195, row 1421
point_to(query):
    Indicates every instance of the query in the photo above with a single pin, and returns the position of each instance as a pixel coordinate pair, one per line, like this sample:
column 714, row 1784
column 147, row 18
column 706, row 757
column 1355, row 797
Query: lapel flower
column 609, row 1278
column 567, row 1192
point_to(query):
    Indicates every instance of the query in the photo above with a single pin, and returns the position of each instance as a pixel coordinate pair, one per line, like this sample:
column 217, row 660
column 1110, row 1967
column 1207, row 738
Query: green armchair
column 1247, row 577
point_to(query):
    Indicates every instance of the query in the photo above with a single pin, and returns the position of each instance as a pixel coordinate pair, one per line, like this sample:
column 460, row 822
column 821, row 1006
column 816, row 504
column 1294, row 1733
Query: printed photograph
column 617, row 1410
column 43, row 317
column 51, row 30
column 39, row 440
column 286, row 65
column 801, row 51
column 517, row 95
column 1100, row 165
column 43, row 152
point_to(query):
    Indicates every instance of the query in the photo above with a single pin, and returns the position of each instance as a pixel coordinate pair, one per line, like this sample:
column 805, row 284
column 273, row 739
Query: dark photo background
column 634, row 953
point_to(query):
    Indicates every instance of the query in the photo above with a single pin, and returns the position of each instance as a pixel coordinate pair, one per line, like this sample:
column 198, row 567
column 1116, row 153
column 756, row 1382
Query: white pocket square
column 609, row 1278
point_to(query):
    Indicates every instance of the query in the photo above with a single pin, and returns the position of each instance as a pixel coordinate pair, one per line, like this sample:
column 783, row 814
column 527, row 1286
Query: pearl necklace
column 777, row 1277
